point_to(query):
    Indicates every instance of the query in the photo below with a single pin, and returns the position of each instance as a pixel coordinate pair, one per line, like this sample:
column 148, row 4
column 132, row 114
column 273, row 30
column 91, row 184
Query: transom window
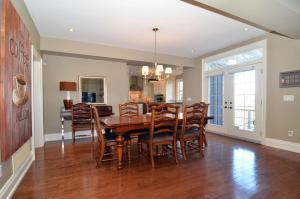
column 238, row 59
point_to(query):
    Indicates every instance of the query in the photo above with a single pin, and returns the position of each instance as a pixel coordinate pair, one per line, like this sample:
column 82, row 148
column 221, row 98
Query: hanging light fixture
column 145, row 70
column 157, row 72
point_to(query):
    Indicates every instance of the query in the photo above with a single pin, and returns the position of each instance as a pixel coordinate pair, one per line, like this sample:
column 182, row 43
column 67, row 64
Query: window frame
column 92, row 77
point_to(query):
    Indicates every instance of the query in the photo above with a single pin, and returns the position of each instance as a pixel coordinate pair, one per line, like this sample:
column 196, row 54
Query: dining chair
column 150, row 105
column 106, row 141
column 128, row 110
column 193, row 127
column 163, row 128
column 82, row 119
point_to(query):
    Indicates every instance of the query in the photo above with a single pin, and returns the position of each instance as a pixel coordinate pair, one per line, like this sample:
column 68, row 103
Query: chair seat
column 109, row 137
column 194, row 132
column 162, row 137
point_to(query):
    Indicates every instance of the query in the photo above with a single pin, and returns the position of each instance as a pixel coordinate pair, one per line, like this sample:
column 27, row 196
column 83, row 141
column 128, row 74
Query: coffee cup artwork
column 20, row 94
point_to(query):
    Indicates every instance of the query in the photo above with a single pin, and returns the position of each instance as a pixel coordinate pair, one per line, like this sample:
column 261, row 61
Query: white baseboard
column 11, row 185
column 275, row 143
column 67, row 135
column 237, row 137
column 281, row 144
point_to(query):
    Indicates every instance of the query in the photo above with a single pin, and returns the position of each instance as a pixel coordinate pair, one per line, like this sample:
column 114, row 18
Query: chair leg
column 183, row 151
column 200, row 143
column 139, row 146
column 175, row 152
column 204, row 139
column 151, row 154
column 73, row 135
column 101, row 149
column 129, row 150
column 92, row 133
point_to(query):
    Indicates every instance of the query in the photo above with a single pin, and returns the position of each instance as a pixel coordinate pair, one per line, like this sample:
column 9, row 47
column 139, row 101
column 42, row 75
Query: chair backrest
column 129, row 109
column 81, row 114
column 164, row 120
column 150, row 105
column 98, row 126
column 194, row 117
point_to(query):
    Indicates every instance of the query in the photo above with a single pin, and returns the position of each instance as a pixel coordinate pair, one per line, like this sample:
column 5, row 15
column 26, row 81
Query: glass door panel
column 244, row 100
column 215, row 99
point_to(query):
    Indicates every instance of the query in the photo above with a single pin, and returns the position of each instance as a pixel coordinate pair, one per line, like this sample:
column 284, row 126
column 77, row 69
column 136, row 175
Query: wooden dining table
column 123, row 125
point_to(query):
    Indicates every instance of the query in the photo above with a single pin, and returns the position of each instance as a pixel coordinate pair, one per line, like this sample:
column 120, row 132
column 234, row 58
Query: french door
column 234, row 96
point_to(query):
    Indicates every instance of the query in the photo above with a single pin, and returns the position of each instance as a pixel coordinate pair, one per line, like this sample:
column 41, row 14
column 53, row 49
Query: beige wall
column 61, row 68
column 23, row 153
column 192, row 84
column 283, row 55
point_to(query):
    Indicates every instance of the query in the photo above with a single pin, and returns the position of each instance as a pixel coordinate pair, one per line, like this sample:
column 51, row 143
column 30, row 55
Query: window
column 179, row 90
column 215, row 98
column 242, row 58
column 244, row 100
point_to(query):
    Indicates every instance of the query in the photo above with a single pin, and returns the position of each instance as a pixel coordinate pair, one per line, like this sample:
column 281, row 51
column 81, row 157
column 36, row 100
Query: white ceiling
column 281, row 16
column 185, row 30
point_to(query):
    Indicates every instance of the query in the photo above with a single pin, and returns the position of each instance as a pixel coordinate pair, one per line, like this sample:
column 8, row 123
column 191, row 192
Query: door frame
column 260, row 44
column 38, row 139
column 255, row 136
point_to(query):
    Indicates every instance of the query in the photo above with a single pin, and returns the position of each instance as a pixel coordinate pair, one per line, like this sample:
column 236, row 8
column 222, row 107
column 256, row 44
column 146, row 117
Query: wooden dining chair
column 193, row 127
column 163, row 128
column 82, row 119
column 106, row 141
column 150, row 105
column 129, row 110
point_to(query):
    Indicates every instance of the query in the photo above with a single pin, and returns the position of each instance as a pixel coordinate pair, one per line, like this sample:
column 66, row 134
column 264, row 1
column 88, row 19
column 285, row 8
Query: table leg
column 120, row 145
column 62, row 128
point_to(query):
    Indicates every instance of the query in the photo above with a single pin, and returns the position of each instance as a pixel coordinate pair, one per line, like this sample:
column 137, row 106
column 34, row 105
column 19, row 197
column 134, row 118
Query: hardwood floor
column 230, row 169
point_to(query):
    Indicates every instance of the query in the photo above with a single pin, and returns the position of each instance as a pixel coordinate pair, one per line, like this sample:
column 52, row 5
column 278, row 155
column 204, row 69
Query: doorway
column 234, row 91
column 37, row 99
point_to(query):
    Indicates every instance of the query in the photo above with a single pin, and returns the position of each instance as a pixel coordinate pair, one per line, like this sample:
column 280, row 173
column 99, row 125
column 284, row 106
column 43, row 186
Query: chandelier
column 157, row 72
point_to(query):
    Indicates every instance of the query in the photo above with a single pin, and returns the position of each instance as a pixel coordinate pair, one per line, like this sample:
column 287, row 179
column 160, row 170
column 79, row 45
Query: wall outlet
column 290, row 133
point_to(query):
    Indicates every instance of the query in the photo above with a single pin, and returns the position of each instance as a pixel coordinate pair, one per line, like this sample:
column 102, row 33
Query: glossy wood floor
column 230, row 169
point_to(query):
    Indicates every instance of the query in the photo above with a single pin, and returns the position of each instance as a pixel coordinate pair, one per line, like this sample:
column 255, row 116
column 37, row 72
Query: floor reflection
column 243, row 170
column 62, row 148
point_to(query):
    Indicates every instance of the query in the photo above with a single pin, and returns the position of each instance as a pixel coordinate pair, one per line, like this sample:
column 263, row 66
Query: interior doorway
column 37, row 99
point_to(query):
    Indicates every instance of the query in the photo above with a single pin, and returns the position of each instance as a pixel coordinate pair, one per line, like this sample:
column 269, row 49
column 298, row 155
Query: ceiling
column 185, row 30
column 280, row 16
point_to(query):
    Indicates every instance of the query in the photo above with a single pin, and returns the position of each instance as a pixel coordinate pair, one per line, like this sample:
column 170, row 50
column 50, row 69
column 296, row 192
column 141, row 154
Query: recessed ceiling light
column 246, row 29
column 71, row 30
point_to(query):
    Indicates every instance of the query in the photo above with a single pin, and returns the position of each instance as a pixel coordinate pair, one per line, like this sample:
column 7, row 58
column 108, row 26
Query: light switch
column 288, row 98
column 188, row 99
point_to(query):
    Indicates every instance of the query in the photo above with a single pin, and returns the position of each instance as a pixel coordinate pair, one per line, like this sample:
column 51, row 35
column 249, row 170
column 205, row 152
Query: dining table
column 124, row 125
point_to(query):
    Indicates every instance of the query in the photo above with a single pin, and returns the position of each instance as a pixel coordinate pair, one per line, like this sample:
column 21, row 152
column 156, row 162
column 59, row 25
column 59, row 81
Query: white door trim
column 37, row 100
column 261, row 44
